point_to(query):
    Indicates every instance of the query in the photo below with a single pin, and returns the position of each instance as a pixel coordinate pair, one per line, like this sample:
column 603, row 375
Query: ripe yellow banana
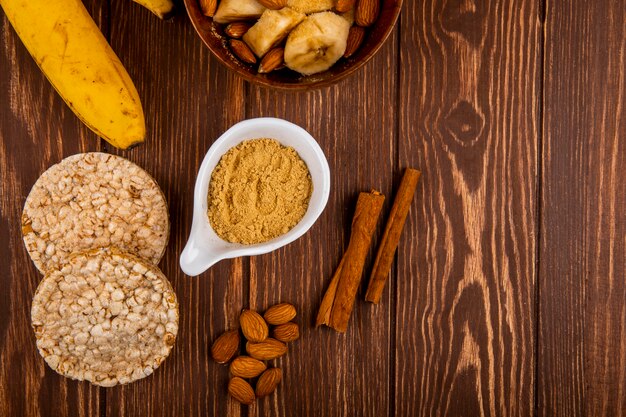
column 164, row 9
column 79, row 63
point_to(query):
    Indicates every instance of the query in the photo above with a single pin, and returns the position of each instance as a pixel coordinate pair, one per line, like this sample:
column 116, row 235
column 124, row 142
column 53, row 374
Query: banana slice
column 164, row 9
column 311, row 6
column 234, row 10
column 317, row 43
column 272, row 27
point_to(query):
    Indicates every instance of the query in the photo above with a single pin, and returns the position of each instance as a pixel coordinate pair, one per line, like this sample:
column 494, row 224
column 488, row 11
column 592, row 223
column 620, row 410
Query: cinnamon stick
column 391, row 235
column 338, row 301
column 323, row 315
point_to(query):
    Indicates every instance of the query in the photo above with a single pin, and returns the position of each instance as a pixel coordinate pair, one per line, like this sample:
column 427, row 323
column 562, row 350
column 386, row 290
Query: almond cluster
column 260, row 347
column 306, row 36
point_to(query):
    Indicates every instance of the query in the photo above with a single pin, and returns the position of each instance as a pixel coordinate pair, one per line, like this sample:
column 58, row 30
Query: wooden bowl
column 213, row 36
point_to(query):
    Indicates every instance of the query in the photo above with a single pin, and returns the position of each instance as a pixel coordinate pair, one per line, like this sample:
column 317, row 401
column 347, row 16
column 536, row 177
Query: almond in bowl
column 296, row 44
column 311, row 36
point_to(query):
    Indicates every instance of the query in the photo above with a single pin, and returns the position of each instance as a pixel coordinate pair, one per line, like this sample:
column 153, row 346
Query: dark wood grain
column 37, row 130
column 356, row 127
column 469, row 119
column 582, row 339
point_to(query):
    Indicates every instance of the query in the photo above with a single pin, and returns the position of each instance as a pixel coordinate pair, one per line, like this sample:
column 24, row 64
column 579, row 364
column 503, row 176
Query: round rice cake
column 94, row 200
column 106, row 317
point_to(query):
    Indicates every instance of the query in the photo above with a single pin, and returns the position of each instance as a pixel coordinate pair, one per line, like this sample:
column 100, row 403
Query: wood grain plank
column 327, row 373
column 37, row 130
column 469, row 119
column 189, row 100
column 582, row 339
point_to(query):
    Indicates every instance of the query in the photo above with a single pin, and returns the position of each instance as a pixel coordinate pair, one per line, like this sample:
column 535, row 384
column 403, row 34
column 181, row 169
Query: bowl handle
column 195, row 259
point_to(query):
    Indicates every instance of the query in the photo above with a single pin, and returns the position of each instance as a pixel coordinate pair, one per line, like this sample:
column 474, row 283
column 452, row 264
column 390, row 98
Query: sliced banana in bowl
column 271, row 29
column 293, row 44
column 316, row 44
column 235, row 10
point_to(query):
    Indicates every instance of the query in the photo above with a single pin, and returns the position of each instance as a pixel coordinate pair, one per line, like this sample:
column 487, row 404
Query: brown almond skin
column 355, row 39
column 287, row 332
column 280, row 314
column 225, row 346
column 272, row 60
column 253, row 326
column 247, row 367
column 343, row 6
column 242, row 51
column 237, row 29
column 241, row 391
column 366, row 12
column 273, row 4
column 266, row 350
column 208, row 7
column 268, row 382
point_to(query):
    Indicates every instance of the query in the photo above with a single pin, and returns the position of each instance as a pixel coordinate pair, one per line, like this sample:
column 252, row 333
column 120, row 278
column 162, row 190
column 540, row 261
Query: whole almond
column 366, row 12
column 287, row 332
column 208, row 7
column 237, row 29
column 267, row 350
column 343, row 6
column 355, row 39
column 253, row 326
column 225, row 346
column 272, row 60
column 247, row 367
column 273, row 4
column 241, row 390
column 242, row 51
column 268, row 382
column 280, row 314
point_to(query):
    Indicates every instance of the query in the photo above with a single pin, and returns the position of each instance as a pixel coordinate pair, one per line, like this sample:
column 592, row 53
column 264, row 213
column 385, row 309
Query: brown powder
column 259, row 190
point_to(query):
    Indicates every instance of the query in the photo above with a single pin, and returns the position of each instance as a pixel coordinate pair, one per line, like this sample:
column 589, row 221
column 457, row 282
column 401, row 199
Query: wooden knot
column 465, row 18
column 462, row 131
column 464, row 123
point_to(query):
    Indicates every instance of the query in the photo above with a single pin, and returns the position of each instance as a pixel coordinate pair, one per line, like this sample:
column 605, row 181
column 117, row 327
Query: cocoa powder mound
column 259, row 190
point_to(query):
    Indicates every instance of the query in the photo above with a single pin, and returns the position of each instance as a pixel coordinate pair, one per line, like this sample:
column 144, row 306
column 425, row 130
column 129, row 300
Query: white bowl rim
column 200, row 253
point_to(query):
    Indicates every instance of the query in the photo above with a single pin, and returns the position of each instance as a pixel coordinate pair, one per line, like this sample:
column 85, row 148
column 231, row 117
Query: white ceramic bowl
column 204, row 247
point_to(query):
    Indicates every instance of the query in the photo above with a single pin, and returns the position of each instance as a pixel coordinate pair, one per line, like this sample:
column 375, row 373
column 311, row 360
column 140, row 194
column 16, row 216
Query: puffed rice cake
column 94, row 200
column 106, row 317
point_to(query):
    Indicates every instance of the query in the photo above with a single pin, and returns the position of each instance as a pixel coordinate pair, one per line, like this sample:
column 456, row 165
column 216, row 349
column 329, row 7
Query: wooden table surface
column 507, row 296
